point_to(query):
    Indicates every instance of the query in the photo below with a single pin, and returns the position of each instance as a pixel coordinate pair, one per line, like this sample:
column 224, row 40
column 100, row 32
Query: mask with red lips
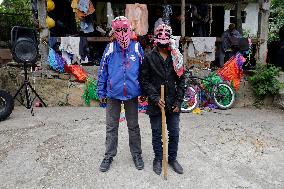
column 122, row 31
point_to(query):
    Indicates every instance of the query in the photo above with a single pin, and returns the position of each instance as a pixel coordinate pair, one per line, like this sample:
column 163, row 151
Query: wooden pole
column 184, row 45
column 263, row 29
column 165, row 144
column 239, row 16
column 44, row 33
column 210, row 19
column 182, row 18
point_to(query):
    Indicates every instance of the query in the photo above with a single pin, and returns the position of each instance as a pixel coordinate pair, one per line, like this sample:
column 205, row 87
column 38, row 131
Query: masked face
column 162, row 35
column 122, row 31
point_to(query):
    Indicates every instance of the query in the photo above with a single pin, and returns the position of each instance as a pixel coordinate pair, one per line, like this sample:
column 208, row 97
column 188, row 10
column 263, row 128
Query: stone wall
column 55, row 90
column 64, row 90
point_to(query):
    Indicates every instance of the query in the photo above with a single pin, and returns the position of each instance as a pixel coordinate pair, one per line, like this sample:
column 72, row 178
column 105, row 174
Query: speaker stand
column 26, row 86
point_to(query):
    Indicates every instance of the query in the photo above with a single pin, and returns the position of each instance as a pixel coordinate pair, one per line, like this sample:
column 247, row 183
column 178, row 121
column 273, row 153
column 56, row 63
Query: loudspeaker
column 24, row 44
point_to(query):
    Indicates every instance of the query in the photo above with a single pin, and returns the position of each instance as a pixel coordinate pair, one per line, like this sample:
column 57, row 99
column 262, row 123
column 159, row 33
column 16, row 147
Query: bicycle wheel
column 224, row 96
column 190, row 100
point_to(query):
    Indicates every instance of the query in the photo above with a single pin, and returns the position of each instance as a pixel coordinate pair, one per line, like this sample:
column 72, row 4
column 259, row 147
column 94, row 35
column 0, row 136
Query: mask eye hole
column 159, row 35
column 121, row 29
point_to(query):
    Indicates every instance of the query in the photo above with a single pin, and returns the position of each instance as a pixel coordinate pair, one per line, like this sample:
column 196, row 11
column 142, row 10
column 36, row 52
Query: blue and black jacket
column 118, row 76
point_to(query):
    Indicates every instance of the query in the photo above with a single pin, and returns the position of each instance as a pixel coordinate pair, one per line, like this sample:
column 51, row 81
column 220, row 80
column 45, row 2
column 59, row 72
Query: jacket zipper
column 124, row 75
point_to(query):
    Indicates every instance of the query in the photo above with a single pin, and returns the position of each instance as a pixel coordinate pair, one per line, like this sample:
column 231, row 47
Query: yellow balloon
column 50, row 23
column 50, row 5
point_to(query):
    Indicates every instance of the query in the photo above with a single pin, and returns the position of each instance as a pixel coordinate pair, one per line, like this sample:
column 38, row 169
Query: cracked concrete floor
column 63, row 147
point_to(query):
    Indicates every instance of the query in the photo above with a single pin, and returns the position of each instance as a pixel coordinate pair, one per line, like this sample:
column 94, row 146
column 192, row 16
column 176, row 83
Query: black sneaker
column 176, row 166
column 138, row 161
column 106, row 164
column 157, row 166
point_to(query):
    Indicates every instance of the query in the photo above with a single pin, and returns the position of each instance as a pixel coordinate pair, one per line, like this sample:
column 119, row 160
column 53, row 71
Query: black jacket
column 154, row 73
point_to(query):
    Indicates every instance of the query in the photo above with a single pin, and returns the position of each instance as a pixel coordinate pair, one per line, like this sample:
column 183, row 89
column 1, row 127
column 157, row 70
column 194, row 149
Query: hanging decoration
column 56, row 62
column 177, row 57
column 232, row 70
column 50, row 6
column 77, row 71
column 90, row 91
column 83, row 10
column 50, row 23
column 122, row 113
column 142, row 105
column 249, row 55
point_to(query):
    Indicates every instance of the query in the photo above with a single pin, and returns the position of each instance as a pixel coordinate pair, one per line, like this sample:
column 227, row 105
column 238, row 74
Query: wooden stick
column 164, row 163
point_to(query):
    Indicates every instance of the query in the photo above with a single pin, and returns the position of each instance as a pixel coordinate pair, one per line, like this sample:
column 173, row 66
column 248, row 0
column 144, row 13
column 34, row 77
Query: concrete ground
column 63, row 148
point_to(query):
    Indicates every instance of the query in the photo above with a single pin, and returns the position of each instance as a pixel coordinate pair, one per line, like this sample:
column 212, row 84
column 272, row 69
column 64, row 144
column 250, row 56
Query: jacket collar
column 155, row 50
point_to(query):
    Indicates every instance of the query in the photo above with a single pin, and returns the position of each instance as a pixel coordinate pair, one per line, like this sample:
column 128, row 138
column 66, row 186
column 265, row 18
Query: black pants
column 112, row 121
column 172, row 120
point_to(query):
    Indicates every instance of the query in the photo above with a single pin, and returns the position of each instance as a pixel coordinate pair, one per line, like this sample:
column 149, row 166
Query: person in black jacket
column 159, row 68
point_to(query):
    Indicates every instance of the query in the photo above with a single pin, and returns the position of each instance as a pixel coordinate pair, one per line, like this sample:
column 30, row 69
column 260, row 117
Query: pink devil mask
column 122, row 31
column 163, row 34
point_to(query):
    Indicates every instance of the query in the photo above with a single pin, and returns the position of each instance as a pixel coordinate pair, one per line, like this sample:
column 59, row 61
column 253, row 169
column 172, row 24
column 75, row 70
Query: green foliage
column 276, row 19
column 247, row 34
column 264, row 81
column 15, row 6
column 281, row 86
column 14, row 13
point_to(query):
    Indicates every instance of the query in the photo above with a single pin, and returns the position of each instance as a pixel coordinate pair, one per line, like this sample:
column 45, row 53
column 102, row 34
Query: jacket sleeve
column 141, row 57
column 103, row 75
column 147, row 87
column 180, row 90
column 140, row 49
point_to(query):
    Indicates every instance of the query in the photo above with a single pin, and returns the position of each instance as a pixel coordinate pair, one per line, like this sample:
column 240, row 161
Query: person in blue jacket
column 118, row 83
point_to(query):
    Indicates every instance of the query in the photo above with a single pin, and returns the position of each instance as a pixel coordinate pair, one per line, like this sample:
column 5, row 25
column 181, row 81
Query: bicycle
column 221, row 93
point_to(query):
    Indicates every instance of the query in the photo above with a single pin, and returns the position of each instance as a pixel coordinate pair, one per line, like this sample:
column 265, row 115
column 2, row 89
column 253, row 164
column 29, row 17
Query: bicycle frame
column 196, row 81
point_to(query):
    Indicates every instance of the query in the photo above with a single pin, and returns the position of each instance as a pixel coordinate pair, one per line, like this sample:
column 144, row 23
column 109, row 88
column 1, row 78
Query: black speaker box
column 24, row 44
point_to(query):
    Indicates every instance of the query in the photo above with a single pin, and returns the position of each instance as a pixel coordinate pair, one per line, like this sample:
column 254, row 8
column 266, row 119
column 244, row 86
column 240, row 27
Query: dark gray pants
column 112, row 122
